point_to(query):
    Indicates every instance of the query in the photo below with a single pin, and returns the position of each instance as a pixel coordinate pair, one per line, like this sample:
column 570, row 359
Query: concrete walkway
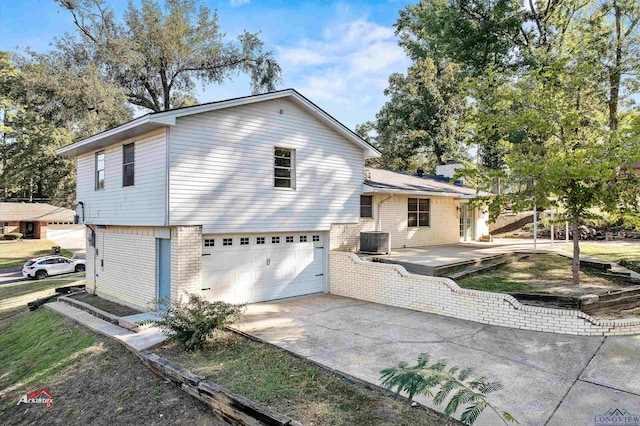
column 429, row 257
column 548, row 379
column 135, row 341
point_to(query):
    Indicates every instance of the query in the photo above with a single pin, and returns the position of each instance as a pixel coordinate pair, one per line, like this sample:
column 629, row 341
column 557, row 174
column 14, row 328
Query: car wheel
column 80, row 268
column 41, row 274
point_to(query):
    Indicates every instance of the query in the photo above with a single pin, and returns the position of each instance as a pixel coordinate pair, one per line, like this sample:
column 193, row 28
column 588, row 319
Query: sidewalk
column 134, row 341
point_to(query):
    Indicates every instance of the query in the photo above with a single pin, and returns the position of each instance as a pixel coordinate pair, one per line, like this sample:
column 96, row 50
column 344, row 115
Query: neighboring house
column 416, row 210
column 32, row 219
column 235, row 200
column 231, row 199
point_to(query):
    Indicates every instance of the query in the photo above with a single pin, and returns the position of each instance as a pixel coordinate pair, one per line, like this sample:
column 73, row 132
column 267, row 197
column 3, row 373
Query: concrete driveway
column 548, row 378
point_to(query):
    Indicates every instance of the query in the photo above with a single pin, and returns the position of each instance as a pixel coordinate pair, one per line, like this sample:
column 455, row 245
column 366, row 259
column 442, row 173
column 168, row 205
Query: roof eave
column 366, row 189
column 132, row 129
column 150, row 122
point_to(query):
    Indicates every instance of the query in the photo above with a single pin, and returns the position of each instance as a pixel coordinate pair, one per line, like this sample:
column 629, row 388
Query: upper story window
column 99, row 170
column 284, row 168
column 366, row 206
column 128, row 164
column 418, row 212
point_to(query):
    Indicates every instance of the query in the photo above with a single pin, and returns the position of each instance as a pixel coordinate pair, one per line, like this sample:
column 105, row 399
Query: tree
column 550, row 84
column 47, row 104
column 419, row 124
column 158, row 52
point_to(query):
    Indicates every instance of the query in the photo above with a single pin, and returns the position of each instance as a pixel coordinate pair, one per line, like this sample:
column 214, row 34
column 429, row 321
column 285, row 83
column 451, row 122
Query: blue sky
column 338, row 54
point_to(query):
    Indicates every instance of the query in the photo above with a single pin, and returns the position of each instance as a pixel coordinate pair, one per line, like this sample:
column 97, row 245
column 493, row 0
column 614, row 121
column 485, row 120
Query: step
column 134, row 341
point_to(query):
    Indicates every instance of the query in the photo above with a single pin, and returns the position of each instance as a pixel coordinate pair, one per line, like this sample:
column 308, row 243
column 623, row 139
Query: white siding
column 221, row 173
column 141, row 204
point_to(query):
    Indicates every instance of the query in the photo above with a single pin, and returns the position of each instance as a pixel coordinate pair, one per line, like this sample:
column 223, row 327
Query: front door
column 164, row 268
column 466, row 223
column 29, row 230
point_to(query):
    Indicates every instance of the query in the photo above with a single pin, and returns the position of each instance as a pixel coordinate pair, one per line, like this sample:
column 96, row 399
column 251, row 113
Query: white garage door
column 254, row 268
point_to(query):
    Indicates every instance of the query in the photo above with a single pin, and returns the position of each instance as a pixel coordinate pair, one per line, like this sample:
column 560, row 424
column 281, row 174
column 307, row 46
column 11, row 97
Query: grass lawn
column 295, row 387
column 89, row 376
column 542, row 273
column 30, row 286
column 16, row 253
column 628, row 256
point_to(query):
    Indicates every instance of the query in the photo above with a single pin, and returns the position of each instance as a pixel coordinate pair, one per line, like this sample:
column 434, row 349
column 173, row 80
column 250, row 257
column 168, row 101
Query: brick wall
column 125, row 265
column 444, row 221
column 186, row 260
column 392, row 285
column 129, row 274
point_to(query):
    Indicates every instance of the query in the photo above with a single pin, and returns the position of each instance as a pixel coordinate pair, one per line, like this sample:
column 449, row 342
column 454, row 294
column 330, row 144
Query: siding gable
column 144, row 203
column 221, row 170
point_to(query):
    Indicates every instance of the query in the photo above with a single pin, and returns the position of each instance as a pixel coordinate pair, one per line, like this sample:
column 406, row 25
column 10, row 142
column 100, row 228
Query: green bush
column 454, row 384
column 192, row 322
column 13, row 236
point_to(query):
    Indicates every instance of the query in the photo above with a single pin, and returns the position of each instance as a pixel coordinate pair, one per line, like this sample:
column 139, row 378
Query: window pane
column 283, row 173
column 413, row 204
column 424, row 219
column 128, row 175
column 100, row 161
column 424, row 205
column 412, row 220
column 282, row 183
column 283, row 152
column 100, row 179
column 283, row 162
column 128, row 153
column 366, row 211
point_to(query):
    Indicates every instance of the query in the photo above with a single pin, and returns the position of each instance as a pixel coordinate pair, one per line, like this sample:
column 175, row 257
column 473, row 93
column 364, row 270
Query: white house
column 236, row 200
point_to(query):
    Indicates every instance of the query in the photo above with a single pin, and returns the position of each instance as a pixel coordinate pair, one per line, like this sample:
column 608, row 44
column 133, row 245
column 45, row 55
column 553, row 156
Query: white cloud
column 235, row 3
column 345, row 69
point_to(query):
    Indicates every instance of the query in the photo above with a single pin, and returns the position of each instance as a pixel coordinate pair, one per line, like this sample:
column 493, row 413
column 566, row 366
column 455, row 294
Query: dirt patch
column 105, row 305
column 295, row 387
column 108, row 385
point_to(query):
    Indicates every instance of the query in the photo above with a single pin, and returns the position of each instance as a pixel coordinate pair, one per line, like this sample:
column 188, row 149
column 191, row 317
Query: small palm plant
column 467, row 391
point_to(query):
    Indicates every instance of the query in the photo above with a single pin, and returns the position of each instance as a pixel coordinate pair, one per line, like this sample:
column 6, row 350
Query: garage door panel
column 258, row 272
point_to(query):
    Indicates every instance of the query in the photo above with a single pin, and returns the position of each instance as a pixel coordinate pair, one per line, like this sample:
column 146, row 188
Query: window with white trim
column 418, row 210
column 259, row 240
column 284, row 167
column 289, row 239
column 209, row 242
column 128, row 164
column 227, row 241
column 244, row 241
column 316, row 238
column 275, row 240
column 303, row 238
column 99, row 170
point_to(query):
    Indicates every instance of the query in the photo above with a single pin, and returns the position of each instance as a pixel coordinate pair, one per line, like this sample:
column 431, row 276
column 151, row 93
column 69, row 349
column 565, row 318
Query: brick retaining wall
column 390, row 284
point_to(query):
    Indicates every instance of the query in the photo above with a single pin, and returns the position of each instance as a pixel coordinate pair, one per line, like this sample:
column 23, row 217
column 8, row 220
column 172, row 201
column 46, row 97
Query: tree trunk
column 615, row 74
column 575, row 267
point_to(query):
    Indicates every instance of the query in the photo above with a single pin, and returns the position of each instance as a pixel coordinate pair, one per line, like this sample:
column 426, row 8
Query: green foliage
column 419, row 124
column 190, row 323
column 158, row 52
column 453, row 384
column 12, row 236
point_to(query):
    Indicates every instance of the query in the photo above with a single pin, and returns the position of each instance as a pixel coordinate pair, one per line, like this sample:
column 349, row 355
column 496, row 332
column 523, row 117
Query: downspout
column 379, row 221
column 95, row 239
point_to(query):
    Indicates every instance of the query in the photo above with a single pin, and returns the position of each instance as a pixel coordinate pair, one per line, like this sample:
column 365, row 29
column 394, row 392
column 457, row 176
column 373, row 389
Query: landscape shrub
column 463, row 389
column 191, row 322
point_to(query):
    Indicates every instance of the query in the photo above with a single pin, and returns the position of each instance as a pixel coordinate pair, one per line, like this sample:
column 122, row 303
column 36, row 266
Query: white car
column 42, row 267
